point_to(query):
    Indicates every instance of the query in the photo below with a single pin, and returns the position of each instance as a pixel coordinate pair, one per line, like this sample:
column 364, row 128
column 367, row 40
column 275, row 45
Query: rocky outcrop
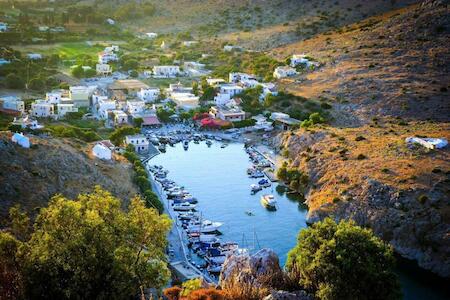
column 399, row 192
column 249, row 269
column 30, row 177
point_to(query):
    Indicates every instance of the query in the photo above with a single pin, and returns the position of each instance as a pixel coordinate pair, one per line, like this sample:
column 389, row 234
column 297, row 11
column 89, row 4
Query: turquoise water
column 217, row 178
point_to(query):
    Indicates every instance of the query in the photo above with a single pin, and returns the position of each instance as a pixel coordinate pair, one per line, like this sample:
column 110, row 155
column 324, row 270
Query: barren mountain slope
column 30, row 177
column 395, row 64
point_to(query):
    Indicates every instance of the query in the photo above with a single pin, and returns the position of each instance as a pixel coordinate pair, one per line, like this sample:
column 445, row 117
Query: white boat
column 205, row 227
column 218, row 138
column 203, row 237
column 268, row 201
column 229, row 248
column 183, row 206
column 255, row 188
column 217, row 260
column 208, row 142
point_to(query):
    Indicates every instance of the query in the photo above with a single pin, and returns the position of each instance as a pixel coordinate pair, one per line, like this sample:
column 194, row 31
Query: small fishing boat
column 215, row 259
column 218, row 138
column 209, row 143
column 186, row 206
column 249, row 213
column 269, row 202
column 162, row 147
column 264, row 183
column 255, row 188
column 205, row 226
column 223, row 146
column 257, row 174
column 185, row 144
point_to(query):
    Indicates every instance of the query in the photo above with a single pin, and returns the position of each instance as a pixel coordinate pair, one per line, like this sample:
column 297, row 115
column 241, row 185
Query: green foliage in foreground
column 343, row 261
column 87, row 248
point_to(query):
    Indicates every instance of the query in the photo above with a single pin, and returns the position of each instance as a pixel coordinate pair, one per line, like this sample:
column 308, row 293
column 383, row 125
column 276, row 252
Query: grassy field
column 164, row 82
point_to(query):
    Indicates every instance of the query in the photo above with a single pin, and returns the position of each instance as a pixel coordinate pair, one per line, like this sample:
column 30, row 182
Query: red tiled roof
column 107, row 143
column 151, row 120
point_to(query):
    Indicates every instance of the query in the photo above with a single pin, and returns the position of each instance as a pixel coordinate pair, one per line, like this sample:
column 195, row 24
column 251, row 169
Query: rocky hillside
column 396, row 64
column 371, row 175
column 54, row 166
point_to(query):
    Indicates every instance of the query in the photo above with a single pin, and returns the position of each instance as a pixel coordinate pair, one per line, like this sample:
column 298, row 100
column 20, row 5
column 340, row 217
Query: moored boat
column 186, row 206
column 269, row 201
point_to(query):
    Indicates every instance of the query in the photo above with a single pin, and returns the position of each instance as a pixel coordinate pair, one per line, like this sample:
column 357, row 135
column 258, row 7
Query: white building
column 104, row 107
column 178, row 88
column 21, row 140
column 151, row 35
column 186, row 101
column 233, row 114
column 229, row 48
column 139, row 142
column 42, row 109
column 166, row 71
column 148, row 95
column 105, row 57
column 298, row 59
column 34, row 56
column 279, row 115
column 103, row 69
column 12, row 103
column 230, row 89
column 222, row 99
column 53, row 97
column 284, row 71
column 3, row 27
column 103, row 150
column 63, row 109
column 268, row 88
column 80, row 95
column 135, row 107
column 238, row 77
column 120, row 117
column 189, row 43
column 110, row 21
column 214, row 81
column 4, row 61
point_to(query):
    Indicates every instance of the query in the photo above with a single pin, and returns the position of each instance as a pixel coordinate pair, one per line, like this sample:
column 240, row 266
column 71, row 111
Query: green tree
column 36, row 84
column 14, row 82
column 343, row 261
column 130, row 64
column 119, row 134
column 77, row 71
column 90, row 73
column 89, row 248
column 138, row 122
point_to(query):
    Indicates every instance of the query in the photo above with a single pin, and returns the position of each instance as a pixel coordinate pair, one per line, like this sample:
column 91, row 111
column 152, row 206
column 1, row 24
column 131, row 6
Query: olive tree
column 343, row 261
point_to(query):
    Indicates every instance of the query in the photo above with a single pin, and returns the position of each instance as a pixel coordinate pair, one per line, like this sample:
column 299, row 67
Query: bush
column 77, row 72
column 119, row 134
column 343, row 261
column 422, row 199
column 244, row 123
column 361, row 157
column 360, row 138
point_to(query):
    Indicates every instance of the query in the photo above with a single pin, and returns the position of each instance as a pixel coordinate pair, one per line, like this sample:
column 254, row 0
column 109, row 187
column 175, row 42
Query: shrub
column 360, row 138
column 14, row 82
column 385, row 170
column 361, row 157
column 343, row 261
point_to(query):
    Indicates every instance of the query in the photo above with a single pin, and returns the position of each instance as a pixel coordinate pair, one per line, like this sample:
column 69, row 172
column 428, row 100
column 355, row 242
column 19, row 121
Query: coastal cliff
column 369, row 174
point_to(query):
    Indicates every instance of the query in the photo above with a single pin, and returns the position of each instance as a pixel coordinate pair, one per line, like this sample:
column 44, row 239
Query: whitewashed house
column 110, row 21
column 4, row 61
column 148, row 95
column 21, row 140
column 53, row 97
column 222, row 99
column 298, row 59
column 103, row 69
column 229, row 48
column 103, row 150
column 151, row 35
column 135, row 107
column 63, row 109
column 42, row 109
column 214, row 81
column 268, row 88
column 3, row 27
column 80, row 95
column 12, row 103
column 104, row 107
column 186, row 101
column 34, row 56
column 166, row 71
column 233, row 114
column 283, row 72
column 230, row 89
column 238, row 77
column 189, row 43
column 120, row 117
column 105, row 57
column 139, row 142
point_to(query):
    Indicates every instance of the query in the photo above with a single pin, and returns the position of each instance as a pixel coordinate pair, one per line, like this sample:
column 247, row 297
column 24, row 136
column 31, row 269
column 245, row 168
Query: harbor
column 219, row 172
